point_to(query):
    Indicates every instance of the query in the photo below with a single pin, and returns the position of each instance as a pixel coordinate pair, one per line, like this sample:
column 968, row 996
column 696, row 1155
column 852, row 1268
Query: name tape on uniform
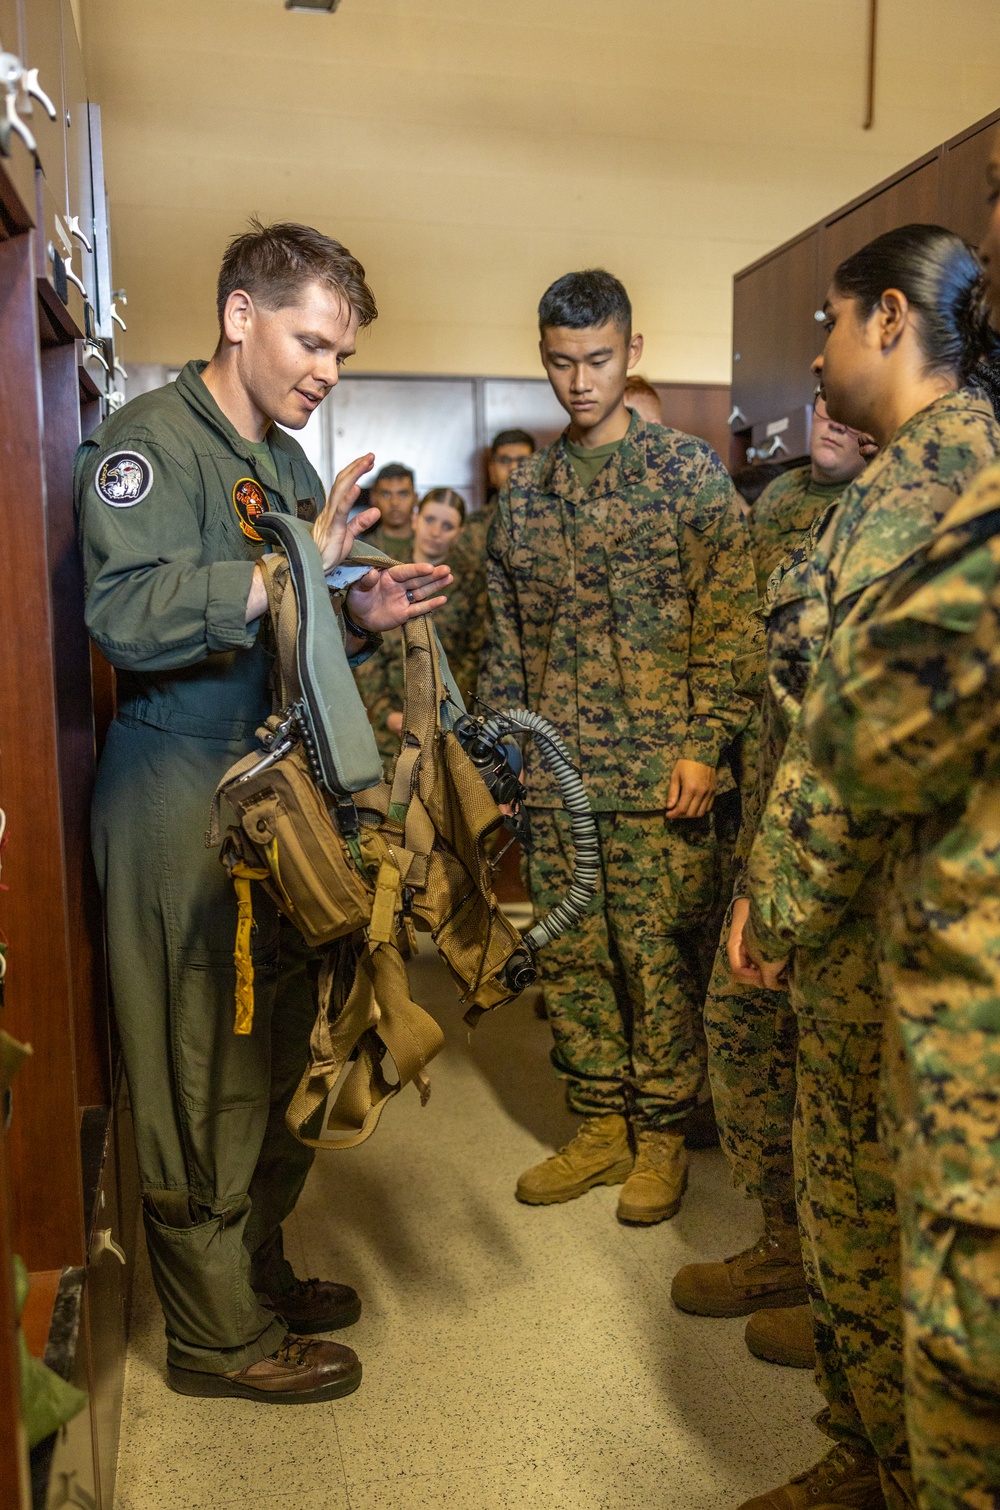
column 123, row 479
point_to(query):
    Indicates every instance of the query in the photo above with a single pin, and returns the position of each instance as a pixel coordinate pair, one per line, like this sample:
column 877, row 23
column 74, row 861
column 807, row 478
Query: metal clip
column 73, row 226
column 120, row 369
column 117, row 317
column 11, row 73
column 77, row 282
column 736, row 416
column 105, row 1243
column 34, row 91
column 91, row 349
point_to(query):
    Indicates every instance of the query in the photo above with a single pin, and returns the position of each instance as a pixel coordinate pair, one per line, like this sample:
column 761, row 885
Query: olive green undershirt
column 261, row 451
column 825, row 489
column 587, row 461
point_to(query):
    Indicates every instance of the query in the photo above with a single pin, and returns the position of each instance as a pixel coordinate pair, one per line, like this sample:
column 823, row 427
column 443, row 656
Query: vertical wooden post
column 75, row 723
column 14, row 1486
column 869, row 120
column 45, row 1132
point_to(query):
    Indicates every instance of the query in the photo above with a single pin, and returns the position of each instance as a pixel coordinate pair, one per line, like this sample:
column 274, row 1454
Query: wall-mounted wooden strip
column 43, row 1143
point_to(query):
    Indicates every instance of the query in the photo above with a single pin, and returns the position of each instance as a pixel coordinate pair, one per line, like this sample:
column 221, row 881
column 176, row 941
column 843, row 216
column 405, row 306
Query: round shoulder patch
column 249, row 501
column 123, row 479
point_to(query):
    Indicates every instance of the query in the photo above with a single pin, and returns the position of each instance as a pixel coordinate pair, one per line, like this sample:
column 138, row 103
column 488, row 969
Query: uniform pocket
column 649, row 552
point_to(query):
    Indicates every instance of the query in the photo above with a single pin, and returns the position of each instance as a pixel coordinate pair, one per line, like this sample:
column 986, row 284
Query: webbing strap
column 242, row 875
column 378, row 1015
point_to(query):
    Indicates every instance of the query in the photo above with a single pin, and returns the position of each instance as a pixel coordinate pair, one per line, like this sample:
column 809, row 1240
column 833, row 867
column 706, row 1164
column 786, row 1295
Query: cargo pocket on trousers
column 201, row 1275
column 690, row 878
column 214, row 1068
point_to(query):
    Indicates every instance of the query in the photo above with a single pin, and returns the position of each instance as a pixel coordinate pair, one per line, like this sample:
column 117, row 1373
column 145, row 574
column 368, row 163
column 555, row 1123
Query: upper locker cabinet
column 963, row 179
column 775, row 340
column 912, row 199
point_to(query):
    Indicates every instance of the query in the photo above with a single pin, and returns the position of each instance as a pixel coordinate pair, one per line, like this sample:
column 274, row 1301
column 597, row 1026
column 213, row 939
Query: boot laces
column 591, row 1130
column 294, row 1350
column 764, row 1247
column 842, row 1463
column 656, row 1149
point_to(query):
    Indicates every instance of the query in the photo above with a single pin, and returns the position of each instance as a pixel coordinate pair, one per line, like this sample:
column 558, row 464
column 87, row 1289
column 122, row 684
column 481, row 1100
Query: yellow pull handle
column 243, row 953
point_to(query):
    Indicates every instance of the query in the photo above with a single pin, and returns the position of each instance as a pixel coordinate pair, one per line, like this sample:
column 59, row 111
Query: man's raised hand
column 333, row 532
column 385, row 599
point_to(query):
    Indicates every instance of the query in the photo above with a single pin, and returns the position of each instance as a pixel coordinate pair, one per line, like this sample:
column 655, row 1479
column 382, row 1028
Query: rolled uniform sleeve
column 151, row 603
column 719, row 579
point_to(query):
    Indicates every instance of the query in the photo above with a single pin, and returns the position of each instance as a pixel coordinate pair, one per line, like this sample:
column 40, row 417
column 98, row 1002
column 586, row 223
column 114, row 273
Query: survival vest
column 357, row 861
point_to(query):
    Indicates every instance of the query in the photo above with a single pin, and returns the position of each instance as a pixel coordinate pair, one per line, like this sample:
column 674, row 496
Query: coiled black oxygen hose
column 586, row 854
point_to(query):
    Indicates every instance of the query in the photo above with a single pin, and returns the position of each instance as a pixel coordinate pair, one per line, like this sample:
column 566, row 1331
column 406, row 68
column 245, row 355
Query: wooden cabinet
column 775, row 340
column 962, row 197
column 67, row 1173
column 912, row 198
column 775, row 333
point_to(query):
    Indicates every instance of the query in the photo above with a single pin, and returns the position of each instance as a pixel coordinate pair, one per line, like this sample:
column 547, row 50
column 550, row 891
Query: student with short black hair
column 620, row 580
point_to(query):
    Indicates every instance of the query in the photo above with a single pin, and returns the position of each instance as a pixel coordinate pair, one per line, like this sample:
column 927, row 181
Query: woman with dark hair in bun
column 904, row 715
column 908, row 359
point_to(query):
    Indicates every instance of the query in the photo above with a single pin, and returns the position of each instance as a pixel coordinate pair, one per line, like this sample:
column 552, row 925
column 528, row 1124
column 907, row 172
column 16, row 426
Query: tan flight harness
column 356, row 875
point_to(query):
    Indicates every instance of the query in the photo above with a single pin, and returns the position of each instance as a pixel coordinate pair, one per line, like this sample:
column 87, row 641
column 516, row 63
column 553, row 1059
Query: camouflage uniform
column 752, row 1034
column 462, row 622
column 814, row 877
column 399, row 547
column 381, row 681
column 616, row 614
column 904, row 716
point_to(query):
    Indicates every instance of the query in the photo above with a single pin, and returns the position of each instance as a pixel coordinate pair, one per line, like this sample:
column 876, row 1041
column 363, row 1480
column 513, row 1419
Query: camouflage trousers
column 624, row 990
column 952, row 1354
column 846, row 1201
column 752, row 1037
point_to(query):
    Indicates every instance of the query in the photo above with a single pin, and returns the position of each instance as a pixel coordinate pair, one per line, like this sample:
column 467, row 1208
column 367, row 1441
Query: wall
column 442, row 426
column 471, row 152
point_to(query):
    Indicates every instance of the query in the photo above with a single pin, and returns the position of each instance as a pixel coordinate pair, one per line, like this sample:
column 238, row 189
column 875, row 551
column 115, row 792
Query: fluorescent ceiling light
column 313, row 5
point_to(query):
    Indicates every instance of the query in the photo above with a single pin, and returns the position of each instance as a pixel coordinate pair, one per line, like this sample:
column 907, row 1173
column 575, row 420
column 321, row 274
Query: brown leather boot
column 768, row 1274
column 598, row 1155
column 315, row 1305
column 784, row 1335
column 299, row 1373
column 654, row 1189
column 846, row 1476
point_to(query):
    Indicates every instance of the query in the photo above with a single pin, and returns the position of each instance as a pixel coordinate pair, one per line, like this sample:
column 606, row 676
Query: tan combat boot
column 783, row 1336
column 598, row 1155
column 768, row 1274
column 847, row 1476
column 654, row 1188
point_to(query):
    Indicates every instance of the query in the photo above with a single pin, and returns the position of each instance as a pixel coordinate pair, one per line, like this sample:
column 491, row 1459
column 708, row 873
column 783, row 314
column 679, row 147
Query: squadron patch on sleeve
column 249, row 502
column 123, row 479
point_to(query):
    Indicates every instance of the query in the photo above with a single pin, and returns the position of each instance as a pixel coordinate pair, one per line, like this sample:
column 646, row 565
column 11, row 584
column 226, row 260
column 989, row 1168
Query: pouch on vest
column 349, row 855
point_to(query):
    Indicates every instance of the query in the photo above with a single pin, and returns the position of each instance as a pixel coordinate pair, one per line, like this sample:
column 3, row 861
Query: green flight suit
column 166, row 492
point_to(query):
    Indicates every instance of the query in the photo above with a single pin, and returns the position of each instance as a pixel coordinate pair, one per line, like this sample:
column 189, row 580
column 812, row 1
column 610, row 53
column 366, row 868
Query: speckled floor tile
column 514, row 1356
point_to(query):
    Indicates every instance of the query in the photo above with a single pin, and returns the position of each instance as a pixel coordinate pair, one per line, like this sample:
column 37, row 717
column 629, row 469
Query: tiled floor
column 515, row 1358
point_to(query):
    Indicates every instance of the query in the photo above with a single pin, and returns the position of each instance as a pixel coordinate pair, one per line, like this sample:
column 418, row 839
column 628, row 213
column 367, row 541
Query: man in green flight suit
column 620, row 579
column 167, row 493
